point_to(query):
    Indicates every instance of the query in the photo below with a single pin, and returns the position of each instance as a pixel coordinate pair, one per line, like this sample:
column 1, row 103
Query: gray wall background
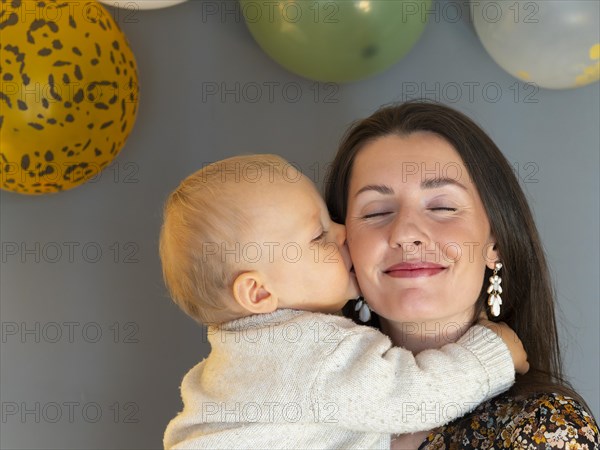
column 121, row 390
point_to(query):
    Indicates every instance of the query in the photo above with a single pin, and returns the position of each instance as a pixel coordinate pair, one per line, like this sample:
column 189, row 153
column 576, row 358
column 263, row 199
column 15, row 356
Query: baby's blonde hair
column 203, row 212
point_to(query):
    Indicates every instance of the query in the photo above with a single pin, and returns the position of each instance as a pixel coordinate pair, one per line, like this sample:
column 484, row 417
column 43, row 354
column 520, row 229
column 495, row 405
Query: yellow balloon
column 68, row 93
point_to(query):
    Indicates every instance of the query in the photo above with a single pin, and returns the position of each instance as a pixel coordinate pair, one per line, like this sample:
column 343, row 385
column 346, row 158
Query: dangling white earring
column 364, row 312
column 494, row 300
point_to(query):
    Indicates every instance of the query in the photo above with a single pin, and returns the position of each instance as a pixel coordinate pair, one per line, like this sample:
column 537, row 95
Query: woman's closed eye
column 443, row 208
column 375, row 214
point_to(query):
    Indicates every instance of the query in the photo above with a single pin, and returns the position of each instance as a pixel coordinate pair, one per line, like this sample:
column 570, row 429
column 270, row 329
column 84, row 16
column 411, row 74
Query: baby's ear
column 251, row 294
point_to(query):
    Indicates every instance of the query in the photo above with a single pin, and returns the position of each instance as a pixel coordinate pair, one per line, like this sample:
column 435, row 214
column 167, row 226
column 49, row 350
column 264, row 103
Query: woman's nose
column 406, row 232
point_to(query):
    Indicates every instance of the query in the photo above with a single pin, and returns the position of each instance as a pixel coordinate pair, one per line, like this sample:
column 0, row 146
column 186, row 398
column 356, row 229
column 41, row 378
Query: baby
column 248, row 248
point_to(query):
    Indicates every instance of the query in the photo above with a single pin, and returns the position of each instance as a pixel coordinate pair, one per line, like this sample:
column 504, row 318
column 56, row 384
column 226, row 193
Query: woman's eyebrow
column 433, row 183
column 381, row 188
column 430, row 183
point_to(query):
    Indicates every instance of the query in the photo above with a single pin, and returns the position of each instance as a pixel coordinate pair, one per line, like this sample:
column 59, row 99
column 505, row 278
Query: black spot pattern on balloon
column 78, row 97
column 12, row 19
column 78, row 73
column 25, row 162
column 6, row 99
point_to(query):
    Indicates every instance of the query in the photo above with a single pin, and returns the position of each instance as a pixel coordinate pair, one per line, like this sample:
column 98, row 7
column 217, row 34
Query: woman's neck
column 416, row 337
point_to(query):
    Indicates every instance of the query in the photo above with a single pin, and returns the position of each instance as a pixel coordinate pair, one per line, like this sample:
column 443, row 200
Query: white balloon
column 142, row 4
column 552, row 43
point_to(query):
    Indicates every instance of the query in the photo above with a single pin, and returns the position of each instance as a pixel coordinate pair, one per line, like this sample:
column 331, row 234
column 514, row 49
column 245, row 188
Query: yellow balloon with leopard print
column 68, row 94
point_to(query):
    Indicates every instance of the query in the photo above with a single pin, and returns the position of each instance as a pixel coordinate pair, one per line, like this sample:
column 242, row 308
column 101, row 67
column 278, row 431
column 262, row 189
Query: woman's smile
column 414, row 270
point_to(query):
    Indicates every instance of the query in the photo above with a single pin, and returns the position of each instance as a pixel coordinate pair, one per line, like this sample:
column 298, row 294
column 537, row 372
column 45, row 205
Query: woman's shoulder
column 543, row 420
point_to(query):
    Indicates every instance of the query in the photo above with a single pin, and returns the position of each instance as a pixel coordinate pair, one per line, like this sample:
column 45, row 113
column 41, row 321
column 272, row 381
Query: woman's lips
column 414, row 270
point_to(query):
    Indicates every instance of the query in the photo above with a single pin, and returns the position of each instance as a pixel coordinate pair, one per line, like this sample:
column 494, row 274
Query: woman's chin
column 407, row 317
column 422, row 305
column 414, row 309
column 435, row 318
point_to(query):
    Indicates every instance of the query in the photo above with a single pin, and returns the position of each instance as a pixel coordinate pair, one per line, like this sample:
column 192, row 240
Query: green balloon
column 340, row 41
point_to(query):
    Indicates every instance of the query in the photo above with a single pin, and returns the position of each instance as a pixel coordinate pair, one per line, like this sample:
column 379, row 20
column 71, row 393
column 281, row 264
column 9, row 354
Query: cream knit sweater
column 296, row 379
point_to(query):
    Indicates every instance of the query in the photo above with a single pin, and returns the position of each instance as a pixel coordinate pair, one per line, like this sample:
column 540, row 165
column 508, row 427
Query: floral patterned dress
column 544, row 421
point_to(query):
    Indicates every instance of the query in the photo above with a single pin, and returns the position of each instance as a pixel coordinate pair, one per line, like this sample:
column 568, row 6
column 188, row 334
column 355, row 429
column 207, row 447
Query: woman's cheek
column 451, row 252
column 358, row 244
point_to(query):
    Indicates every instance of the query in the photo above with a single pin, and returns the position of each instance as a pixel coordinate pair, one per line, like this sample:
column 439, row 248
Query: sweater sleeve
column 366, row 384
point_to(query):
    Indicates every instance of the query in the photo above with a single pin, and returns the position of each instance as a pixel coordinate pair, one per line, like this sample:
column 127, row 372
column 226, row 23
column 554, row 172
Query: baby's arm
column 512, row 341
column 371, row 386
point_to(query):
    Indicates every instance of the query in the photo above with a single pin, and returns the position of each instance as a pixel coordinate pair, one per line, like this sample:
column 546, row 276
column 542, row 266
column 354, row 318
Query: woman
column 433, row 212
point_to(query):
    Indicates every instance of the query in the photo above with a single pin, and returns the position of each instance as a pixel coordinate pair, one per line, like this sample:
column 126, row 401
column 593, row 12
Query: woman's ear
column 251, row 294
column 492, row 255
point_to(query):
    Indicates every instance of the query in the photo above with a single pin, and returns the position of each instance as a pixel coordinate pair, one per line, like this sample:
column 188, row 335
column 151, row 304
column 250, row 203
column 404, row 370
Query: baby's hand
column 512, row 341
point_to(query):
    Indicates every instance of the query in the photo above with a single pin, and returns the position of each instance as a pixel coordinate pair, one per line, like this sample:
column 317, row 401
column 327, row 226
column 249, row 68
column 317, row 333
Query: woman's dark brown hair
column 528, row 297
